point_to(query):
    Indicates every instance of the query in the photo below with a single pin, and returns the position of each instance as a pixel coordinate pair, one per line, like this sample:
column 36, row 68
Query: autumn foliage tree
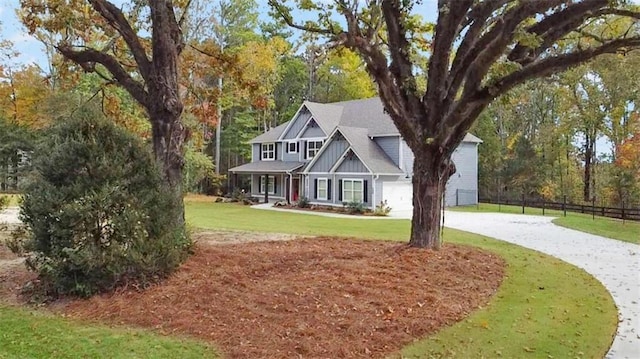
column 479, row 50
column 104, row 39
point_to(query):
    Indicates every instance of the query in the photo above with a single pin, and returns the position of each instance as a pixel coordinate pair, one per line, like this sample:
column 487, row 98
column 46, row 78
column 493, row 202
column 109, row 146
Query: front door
column 295, row 189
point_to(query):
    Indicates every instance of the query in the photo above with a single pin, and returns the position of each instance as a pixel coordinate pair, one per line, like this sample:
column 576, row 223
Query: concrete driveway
column 614, row 263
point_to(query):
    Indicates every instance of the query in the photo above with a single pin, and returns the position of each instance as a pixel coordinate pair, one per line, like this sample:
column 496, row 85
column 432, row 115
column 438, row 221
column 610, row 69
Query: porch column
column 290, row 188
column 266, row 188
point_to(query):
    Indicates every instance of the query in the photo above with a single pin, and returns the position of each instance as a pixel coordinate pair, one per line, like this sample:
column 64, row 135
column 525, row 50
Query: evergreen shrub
column 98, row 211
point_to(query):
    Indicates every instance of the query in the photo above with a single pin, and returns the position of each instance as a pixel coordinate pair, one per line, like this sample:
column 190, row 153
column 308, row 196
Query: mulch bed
column 308, row 298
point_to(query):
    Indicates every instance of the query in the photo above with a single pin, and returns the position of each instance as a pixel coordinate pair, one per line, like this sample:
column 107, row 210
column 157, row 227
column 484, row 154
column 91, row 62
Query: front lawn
column 628, row 231
column 544, row 308
column 26, row 333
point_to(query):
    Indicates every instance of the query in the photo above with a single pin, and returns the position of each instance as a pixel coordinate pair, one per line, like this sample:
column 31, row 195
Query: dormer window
column 268, row 152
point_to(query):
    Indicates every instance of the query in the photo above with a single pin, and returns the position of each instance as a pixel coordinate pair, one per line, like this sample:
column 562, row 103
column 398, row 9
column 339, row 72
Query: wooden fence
column 624, row 213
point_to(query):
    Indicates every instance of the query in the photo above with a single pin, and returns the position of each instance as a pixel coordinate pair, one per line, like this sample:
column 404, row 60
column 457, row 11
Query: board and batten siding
column 329, row 156
column 352, row 165
column 391, row 146
column 407, row 157
column 313, row 132
column 297, row 125
column 465, row 180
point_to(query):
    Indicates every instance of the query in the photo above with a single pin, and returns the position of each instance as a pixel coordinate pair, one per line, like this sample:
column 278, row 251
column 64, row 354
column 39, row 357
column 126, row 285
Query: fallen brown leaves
column 312, row 298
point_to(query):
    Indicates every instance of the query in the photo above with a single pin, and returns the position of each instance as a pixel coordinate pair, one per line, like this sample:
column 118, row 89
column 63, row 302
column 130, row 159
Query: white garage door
column 399, row 195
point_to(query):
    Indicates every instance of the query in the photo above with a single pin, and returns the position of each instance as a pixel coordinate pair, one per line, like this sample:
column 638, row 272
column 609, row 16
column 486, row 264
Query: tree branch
column 118, row 21
column 469, row 107
column 89, row 57
column 450, row 17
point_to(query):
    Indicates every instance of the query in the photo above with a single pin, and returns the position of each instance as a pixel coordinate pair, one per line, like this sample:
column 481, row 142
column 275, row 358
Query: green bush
column 98, row 211
column 355, row 207
column 303, row 202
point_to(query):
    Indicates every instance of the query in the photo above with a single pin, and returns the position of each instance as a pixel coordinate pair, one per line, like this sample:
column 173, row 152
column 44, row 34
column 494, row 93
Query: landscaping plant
column 98, row 211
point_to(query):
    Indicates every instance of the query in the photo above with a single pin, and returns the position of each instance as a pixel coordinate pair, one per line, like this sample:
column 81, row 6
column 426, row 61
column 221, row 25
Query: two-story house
column 347, row 151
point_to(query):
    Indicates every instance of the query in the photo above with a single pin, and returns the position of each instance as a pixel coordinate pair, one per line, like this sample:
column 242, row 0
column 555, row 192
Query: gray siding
column 407, row 159
column 297, row 125
column 290, row 156
column 312, row 189
column 353, row 165
column 313, row 132
column 462, row 187
column 255, row 152
column 334, row 184
column 255, row 188
column 391, row 146
column 329, row 156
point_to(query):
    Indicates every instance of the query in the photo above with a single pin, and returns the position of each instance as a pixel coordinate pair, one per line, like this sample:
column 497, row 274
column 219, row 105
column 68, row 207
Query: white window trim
column 326, row 189
column 317, row 150
column 263, row 151
column 271, row 180
column 295, row 143
column 353, row 180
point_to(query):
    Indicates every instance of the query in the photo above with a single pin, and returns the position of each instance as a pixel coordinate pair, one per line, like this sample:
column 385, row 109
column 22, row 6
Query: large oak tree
column 137, row 50
column 479, row 50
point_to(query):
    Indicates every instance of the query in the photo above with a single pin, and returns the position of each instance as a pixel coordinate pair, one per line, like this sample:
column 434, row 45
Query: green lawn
column 629, row 231
column 545, row 308
column 33, row 334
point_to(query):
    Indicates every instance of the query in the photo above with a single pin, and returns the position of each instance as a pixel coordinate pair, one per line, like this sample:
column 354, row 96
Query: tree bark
column 168, row 143
column 430, row 176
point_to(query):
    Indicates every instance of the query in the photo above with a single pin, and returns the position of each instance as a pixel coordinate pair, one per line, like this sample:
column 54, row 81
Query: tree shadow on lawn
column 312, row 297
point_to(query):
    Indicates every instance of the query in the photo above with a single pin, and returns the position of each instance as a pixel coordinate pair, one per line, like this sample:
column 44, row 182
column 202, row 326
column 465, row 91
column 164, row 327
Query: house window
column 352, row 190
column 322, row 189
column 292, row 147
column 271, row 186
column 268, row 151
column 312, row 148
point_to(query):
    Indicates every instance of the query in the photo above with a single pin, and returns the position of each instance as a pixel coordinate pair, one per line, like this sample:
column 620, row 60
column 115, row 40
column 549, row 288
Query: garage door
column 399, row 195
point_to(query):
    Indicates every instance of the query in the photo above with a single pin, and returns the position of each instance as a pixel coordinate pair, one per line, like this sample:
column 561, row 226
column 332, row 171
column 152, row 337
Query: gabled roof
column 326, row 115
column 367, row 113
column 368, row 151
column 271, row 135
column 371, row 155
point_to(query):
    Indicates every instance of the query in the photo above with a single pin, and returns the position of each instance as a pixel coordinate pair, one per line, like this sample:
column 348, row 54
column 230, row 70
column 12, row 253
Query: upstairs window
column 268, row 152
column 292, row 147
column 313, row 147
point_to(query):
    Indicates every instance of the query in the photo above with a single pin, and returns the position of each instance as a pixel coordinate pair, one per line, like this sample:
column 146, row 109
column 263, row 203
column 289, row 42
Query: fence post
column 522, row 202
column 564, row 205
column 457, row 195
column 623, row 212
column 543, row 206
column 593, row 208
column 499, row 201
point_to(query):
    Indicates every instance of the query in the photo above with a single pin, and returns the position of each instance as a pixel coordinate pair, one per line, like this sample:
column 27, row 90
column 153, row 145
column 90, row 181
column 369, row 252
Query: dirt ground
column 306, row 298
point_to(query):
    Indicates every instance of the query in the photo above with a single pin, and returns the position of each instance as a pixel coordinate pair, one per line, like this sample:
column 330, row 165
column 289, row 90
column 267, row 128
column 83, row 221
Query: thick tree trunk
column 429, row 179
column 168, row 144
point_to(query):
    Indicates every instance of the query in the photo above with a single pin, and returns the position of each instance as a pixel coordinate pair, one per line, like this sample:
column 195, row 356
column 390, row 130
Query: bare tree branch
column 118, row 21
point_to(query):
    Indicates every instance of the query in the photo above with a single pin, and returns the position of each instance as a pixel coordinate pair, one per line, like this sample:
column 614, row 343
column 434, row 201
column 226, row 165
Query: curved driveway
column 614, row 263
